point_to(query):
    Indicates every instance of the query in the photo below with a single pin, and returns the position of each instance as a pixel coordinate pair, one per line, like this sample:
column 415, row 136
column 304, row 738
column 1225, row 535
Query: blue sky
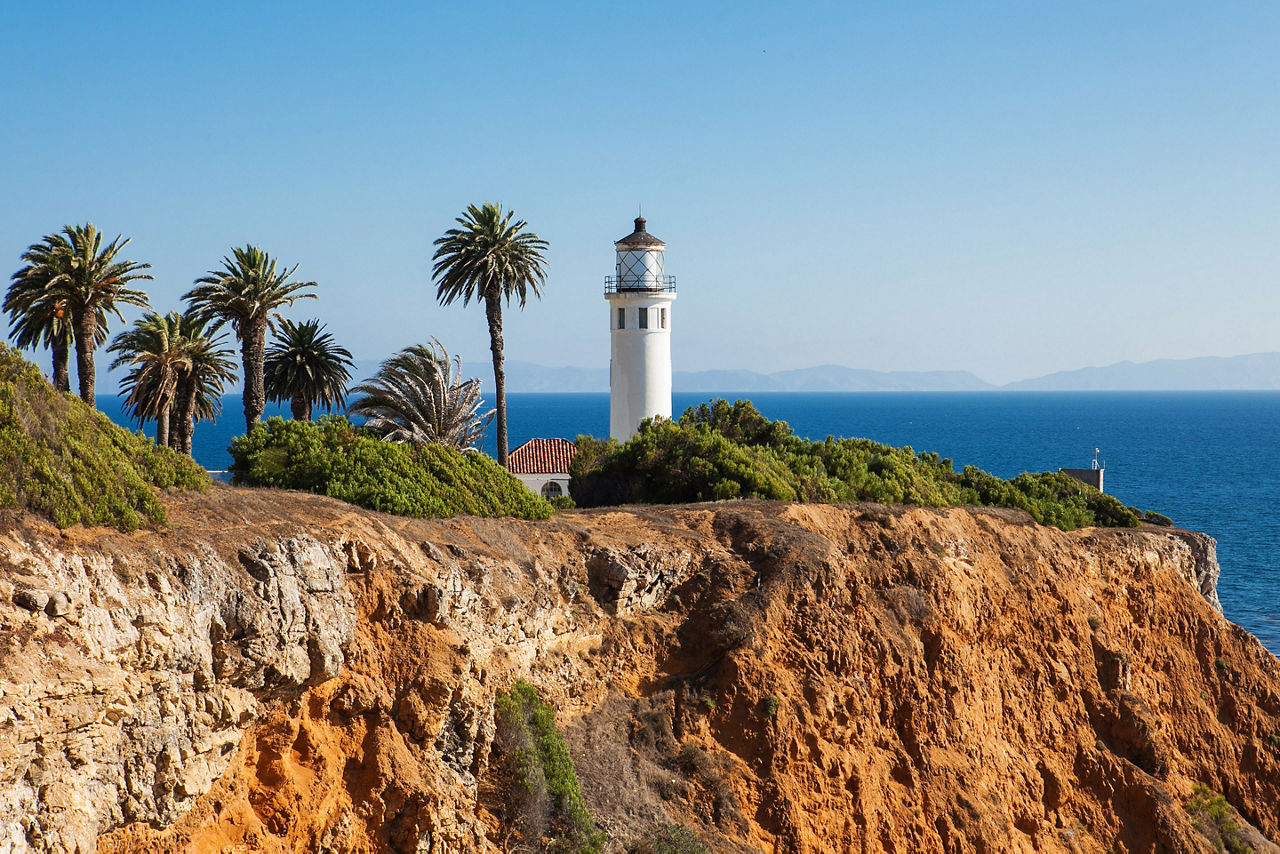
column 1007, row 188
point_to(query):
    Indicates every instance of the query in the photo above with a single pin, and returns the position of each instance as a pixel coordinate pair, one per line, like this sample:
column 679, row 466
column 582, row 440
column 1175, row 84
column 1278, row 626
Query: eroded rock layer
column 280, row 672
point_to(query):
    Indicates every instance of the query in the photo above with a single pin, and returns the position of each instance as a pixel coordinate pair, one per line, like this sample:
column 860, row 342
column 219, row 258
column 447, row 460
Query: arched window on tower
column 552, row 489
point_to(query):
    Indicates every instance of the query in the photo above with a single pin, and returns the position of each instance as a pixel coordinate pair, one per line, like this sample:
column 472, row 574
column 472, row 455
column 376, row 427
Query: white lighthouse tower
column 640, row 298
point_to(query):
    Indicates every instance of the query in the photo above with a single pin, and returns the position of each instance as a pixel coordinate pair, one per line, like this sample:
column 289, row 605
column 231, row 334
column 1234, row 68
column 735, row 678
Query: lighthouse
column 640, row 298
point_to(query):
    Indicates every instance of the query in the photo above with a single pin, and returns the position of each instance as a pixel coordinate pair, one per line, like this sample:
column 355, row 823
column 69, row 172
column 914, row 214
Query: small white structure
column 543, row 465
column 640, row 298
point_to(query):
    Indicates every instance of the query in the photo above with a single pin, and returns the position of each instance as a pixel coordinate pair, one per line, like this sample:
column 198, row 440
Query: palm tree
column 489, row 259
column 83, row 282
column 207, row 369
column 153, row 350
column 246, row 293
column 38, row 317
column 419, row 396
column 304, row 366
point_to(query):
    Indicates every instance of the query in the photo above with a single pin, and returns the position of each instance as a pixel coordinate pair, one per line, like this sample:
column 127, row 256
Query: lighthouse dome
column 640, row 238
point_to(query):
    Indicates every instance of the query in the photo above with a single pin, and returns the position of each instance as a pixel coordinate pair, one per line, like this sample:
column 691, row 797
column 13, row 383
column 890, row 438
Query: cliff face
column 280, row 672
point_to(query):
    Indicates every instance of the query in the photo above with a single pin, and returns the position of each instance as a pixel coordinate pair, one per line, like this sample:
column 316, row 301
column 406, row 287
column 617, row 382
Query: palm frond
column 418, row 396
column 489, row 256
column 247, row 288
column 304, row 363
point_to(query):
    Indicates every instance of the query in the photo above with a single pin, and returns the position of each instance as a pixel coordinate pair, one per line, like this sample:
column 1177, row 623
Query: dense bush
column 335, row 458
column 721, row 450
column 65, row 460
column 542, row 792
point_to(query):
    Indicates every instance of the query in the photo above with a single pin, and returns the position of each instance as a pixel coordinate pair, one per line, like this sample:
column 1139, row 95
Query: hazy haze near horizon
column 911, row 188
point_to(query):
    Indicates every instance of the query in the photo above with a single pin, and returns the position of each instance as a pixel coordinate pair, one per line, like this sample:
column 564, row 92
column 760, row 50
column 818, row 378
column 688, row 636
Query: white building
column 543, row 465
column 640, row 298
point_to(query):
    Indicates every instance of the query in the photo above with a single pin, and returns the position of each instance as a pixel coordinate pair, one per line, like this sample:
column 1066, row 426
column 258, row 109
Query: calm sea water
column 1208, row 460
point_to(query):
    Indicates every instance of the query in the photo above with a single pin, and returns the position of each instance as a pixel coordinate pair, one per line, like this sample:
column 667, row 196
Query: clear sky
column 1010, row 188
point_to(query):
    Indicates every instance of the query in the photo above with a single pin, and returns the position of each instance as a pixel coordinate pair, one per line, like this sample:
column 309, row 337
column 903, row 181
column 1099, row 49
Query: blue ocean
column 1208, row 460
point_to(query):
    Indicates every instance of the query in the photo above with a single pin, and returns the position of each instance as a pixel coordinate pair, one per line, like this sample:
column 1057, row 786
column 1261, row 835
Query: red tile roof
column 542, row 456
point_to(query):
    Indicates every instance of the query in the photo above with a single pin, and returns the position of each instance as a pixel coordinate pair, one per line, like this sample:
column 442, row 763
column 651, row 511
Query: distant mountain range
column 828, row 378
column 1260, row 371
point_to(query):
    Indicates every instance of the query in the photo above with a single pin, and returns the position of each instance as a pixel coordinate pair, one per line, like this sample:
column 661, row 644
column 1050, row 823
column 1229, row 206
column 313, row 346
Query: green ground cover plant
column 543, row 796
column 720, row 450
column 1211, row 815
column 62, row 459
column 334, row 457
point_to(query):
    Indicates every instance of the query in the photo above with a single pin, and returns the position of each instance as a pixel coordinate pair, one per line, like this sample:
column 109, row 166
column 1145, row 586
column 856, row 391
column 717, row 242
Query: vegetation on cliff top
column 722, row 450
column 334, row 457
column 63, row 459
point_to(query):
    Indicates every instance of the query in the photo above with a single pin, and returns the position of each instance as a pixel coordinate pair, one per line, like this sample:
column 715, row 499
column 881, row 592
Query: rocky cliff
column 280, row 672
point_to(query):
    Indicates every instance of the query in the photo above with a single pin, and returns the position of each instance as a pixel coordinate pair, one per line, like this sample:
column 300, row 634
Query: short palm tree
column 84, row 282
column 305, row 367
column 154, row 353
column 419, row 396
column 207, row 369
column 246, row 293
column 490, row 259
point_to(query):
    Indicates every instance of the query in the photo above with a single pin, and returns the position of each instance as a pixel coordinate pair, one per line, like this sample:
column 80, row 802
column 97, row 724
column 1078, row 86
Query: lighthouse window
column 622, row 318
column 662, row 318
column 644, row 318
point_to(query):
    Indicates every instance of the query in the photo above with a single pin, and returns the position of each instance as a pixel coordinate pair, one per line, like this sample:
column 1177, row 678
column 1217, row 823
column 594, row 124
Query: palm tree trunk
column 493, row 311
column 162, row 426
column 86, row 324
column 183, row 411
column 301, row 408
column 183, row 416
column 253, row 352
column 61, row 346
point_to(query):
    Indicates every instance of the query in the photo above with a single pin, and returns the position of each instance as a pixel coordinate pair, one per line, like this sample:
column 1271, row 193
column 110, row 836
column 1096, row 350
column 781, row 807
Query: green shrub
column 561, row 502
column 719, row 450
column 64, row 460
column 770, row 706
column 669, row 839
column 1211, row 815
column 333, row 457
column 542, row 786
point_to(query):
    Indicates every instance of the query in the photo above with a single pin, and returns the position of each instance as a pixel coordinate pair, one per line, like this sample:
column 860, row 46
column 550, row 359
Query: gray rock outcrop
column 173, row 655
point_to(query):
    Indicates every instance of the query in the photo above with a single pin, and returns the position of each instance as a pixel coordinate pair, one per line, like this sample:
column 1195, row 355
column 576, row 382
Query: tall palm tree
column 85, row 282
column 419, row 396
column 153, row 350
column 304, row 366
column 207, row 369
column 246, row 293
column 489, row 259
